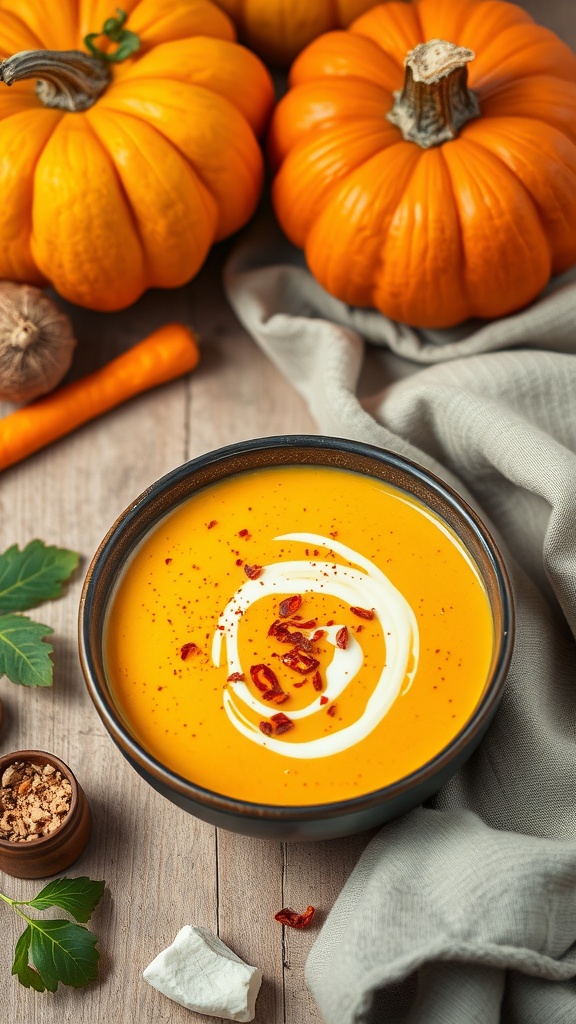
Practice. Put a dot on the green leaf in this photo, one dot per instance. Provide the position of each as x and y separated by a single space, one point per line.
24 656
27 976
33 575
63 951
78 896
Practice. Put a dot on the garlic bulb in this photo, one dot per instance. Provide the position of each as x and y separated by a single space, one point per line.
36 342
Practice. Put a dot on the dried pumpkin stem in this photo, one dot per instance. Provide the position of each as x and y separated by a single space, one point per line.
67 79
435 101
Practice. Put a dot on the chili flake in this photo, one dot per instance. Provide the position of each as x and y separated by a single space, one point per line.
289 917
362 613
323 700
253 571
186 649
317 681
265 727
299 662
331 710
289 605
211 524
342 638
266 681
243 533
235 677
282 723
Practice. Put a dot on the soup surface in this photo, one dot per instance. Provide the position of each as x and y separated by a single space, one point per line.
298 635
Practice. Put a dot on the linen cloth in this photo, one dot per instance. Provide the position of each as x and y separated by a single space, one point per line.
464 910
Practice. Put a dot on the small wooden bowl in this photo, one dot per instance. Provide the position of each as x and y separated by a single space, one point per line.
49 854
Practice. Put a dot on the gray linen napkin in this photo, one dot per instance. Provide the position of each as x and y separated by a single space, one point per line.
465 910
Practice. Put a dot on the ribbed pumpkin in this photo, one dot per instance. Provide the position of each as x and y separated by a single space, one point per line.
117 177
279 29
420 194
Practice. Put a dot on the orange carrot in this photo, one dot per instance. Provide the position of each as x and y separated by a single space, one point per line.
167 353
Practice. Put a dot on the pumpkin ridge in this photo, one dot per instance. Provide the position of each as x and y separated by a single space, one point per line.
126 124
437 153
482 186
306 143
240 151
27 31
153 24
85 269
531 145
533 64
381 258
137 72
25 114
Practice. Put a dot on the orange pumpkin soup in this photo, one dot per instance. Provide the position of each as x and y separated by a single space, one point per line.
298 635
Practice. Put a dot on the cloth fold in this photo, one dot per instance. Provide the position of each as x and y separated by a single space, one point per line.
464 910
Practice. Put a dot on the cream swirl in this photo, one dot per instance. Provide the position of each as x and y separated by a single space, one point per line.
365 586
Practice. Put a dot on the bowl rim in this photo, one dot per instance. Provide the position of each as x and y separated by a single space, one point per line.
43 756
288 813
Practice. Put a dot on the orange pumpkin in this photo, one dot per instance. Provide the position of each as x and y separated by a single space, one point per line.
413 192
279 29
117 177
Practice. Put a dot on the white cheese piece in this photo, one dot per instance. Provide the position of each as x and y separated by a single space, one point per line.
201 973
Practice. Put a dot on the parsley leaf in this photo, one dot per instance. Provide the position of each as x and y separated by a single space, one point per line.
53 951
28 577
24 656
78 896
33 575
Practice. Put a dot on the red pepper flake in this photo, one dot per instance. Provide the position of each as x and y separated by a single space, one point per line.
299 662
265 727
244 533
266 681
342 638
253 571
289 605
282 723
323 700
317 681
167 561
317 635
235 677
290 918
187 649
362 613
239 561
297 621
211 524
331 710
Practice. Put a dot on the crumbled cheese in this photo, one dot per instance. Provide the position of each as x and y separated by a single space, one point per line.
201 973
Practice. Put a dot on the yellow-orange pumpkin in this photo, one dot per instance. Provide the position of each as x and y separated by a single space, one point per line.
132 191
279 29
466 204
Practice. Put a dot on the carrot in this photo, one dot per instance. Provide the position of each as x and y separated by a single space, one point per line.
167 353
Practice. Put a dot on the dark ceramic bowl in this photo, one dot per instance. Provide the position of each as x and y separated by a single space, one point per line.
321 821
52 853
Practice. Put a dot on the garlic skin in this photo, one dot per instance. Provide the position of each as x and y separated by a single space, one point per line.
36 342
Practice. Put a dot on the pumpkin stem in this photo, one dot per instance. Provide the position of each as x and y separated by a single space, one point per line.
435 101
67 79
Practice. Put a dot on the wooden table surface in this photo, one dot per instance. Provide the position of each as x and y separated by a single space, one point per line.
163 868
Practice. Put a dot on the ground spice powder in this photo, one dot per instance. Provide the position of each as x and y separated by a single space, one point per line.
34 800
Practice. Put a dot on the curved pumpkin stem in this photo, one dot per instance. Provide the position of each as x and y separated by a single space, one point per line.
70 79
67 79
435 101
